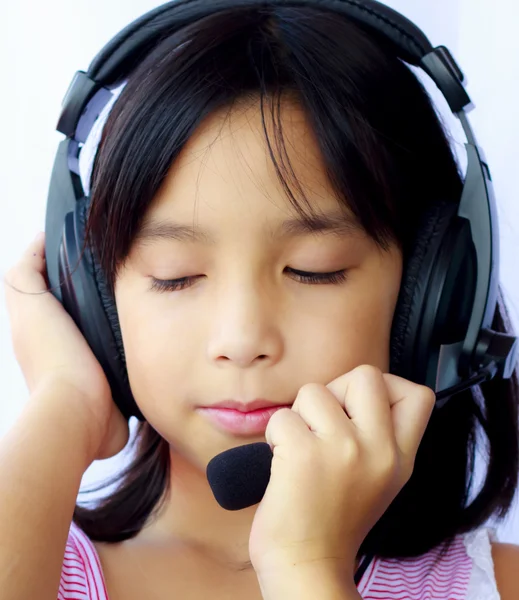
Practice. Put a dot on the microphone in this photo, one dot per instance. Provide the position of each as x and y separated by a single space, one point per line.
239 477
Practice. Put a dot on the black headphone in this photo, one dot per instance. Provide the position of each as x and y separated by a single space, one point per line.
441 332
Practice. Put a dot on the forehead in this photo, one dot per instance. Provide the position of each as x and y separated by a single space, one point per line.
226 169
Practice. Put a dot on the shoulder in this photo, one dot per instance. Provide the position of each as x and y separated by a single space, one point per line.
472 565
81 575
506 567
442 572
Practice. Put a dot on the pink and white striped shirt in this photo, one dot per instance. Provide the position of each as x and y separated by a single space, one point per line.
81 574
465 572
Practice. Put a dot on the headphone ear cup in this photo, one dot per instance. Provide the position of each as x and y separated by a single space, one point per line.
447 309
417 272
87 299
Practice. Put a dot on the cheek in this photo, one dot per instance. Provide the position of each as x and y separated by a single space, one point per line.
157 351
374 314
356 329
356 334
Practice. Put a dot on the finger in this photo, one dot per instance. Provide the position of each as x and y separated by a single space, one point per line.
411 409
26 282
28 274
34 250
286 429
365 397
322 412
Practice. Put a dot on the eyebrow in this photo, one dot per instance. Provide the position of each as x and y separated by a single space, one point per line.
336 223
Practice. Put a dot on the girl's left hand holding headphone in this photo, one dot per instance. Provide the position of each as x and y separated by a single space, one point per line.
341 454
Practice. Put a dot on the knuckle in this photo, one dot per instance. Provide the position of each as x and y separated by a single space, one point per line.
279 421
351 451
407 472
407 468
427 394
310 390
24 280
367 371
280 415
10 276
389 463
16 278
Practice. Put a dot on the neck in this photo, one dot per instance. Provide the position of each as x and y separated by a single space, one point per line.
191 517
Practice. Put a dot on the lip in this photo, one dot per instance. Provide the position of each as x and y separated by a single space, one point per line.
250 423
246 407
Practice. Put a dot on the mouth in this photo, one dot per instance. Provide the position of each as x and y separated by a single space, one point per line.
246 407
238 422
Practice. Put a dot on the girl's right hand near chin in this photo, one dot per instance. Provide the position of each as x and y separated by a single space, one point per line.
54 355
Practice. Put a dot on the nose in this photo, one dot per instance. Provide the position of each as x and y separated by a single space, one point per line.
245 328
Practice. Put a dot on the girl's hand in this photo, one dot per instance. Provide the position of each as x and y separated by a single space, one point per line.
53 354
341 454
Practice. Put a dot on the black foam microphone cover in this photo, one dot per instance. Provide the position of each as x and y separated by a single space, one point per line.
239 477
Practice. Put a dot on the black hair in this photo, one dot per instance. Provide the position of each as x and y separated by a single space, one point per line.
389 159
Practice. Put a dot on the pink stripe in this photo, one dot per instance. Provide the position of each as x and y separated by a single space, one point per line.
66 593
69 576
72 589
72 561
428 585
93 562
368 577
428 581
72 582
87 565
69 573
440 577
433 575
437 584
72 564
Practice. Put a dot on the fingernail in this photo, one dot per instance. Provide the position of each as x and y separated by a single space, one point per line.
39 236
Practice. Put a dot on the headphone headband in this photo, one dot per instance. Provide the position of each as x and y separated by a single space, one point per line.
406 39
119 56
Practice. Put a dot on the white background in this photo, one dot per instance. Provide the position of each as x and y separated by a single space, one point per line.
44 43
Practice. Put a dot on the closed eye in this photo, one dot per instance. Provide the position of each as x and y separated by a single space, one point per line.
307 277
335 277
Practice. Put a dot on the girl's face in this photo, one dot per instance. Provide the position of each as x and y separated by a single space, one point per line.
244 325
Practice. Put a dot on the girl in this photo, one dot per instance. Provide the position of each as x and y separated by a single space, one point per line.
254 197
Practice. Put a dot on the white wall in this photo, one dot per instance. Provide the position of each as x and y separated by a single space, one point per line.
37 63
489 53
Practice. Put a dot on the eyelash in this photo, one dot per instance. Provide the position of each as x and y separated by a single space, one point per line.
335 278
